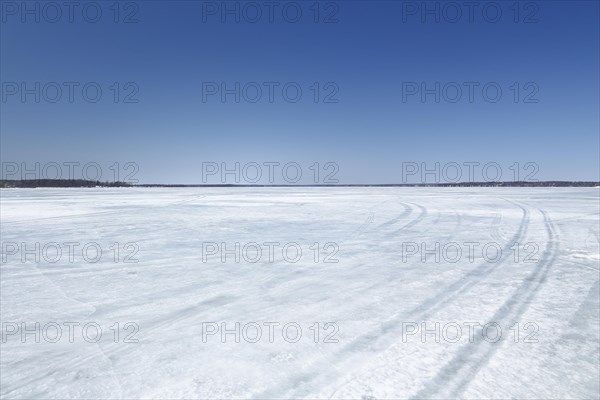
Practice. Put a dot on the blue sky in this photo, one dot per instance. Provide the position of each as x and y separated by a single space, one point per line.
367 58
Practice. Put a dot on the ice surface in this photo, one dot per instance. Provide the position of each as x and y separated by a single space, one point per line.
371 295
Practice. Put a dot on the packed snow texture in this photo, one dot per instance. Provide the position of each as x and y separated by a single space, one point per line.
368 308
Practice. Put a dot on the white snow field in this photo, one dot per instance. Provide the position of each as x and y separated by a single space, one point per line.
522 323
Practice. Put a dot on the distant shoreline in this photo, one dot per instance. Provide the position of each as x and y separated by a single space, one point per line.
78 183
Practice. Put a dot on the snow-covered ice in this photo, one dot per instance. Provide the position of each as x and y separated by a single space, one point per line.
375 311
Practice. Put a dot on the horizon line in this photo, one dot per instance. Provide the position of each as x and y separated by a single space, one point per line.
33 183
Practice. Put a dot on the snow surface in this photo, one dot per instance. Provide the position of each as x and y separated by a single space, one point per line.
371 294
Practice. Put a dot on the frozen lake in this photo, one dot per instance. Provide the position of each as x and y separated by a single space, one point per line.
300 293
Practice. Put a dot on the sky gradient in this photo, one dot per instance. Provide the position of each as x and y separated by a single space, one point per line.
367 114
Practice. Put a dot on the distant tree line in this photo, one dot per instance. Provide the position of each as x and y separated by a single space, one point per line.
57 183
40 183
514 184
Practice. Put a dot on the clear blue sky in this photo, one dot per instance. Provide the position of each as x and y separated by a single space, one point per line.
370 53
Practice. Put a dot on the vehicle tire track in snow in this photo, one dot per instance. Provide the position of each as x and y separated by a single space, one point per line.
364 227
457 225
112 349
454 377
414 222
495 234
368 256
467 281
450 293
389 279
578 264
407 211
388 327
